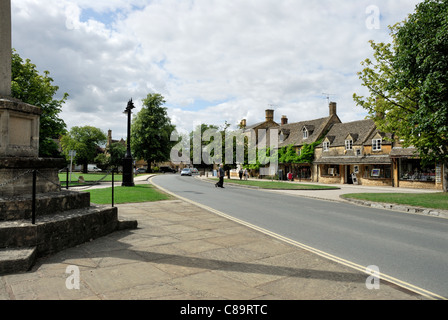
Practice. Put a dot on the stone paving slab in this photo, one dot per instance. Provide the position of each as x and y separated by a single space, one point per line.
182 252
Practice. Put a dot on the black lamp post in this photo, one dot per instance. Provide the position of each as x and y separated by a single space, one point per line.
128 162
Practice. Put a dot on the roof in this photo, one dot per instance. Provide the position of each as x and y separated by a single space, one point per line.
315 128
359 130
398 152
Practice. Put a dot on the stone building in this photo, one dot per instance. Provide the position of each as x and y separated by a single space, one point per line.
354 152
300 133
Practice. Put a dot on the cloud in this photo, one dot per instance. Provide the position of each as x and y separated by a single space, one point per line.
212 60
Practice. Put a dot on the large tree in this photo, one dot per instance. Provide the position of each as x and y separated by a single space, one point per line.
85 141
408 83
151 131
38 90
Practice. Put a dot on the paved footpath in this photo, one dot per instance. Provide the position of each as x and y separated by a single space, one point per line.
182 252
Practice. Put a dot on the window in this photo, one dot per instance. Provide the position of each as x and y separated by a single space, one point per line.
326 146
348 144
377 171
305 133
414 170
376 144
329 170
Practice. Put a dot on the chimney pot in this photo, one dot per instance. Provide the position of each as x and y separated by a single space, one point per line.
284 120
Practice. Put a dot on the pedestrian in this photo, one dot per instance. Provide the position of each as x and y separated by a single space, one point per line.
246 174
240 173
221 174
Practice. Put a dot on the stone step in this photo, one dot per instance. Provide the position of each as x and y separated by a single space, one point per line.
16 260
55 232
20 208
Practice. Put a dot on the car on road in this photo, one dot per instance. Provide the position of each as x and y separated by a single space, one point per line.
194 171
141 170
165 169
186 172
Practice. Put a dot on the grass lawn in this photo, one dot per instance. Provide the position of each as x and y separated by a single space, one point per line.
437 200
89 177
277 184
138 193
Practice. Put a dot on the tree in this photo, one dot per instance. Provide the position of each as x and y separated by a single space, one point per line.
31 87
117 152
408 83
85 141
151 131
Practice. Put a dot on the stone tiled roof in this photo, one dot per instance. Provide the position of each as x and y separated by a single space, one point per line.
295 136
359 131
397 152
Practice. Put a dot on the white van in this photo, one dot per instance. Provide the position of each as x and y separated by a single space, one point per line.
92 167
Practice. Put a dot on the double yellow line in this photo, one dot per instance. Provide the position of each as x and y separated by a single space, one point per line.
425 293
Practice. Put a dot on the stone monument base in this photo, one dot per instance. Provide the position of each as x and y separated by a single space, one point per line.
16 175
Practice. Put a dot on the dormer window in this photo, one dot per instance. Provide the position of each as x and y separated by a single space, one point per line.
326 145
348 144
305 133
376 144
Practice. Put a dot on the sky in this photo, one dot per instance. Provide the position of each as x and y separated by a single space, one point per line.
214 61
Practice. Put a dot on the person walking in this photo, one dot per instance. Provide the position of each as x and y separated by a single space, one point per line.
221 173
241 173
246 174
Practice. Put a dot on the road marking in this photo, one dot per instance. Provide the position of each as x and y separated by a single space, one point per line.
403 284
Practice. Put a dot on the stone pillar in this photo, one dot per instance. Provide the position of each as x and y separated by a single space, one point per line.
5 47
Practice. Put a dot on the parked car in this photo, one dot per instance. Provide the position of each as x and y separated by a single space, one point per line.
186 172
167 169
141 170
194 171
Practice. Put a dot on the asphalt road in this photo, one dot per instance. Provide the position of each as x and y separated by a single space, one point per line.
407 248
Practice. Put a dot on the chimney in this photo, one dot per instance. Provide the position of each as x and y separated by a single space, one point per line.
332 107
243 124
269 115
109 138
284 120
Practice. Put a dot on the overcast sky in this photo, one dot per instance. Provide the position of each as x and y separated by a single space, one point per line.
212 60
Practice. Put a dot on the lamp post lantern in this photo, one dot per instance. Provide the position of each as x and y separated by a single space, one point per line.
128 162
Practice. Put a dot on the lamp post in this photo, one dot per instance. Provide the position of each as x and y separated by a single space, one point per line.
128 162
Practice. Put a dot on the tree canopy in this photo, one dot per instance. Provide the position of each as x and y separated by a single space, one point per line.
408 82
151 131
31 87
85 141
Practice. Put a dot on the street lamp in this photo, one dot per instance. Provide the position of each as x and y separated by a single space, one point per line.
128 172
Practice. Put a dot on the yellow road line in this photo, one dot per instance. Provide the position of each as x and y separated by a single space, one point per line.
405 285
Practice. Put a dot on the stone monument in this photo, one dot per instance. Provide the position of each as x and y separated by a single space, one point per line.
30 187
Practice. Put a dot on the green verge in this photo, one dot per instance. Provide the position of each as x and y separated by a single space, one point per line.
137 193
89 178
438 200
277 185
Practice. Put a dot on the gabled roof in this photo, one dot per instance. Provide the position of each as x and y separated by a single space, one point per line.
361 129
295 137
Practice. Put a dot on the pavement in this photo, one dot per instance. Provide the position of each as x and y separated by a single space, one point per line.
181 251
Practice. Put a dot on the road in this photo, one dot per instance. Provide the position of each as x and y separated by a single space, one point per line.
410 249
